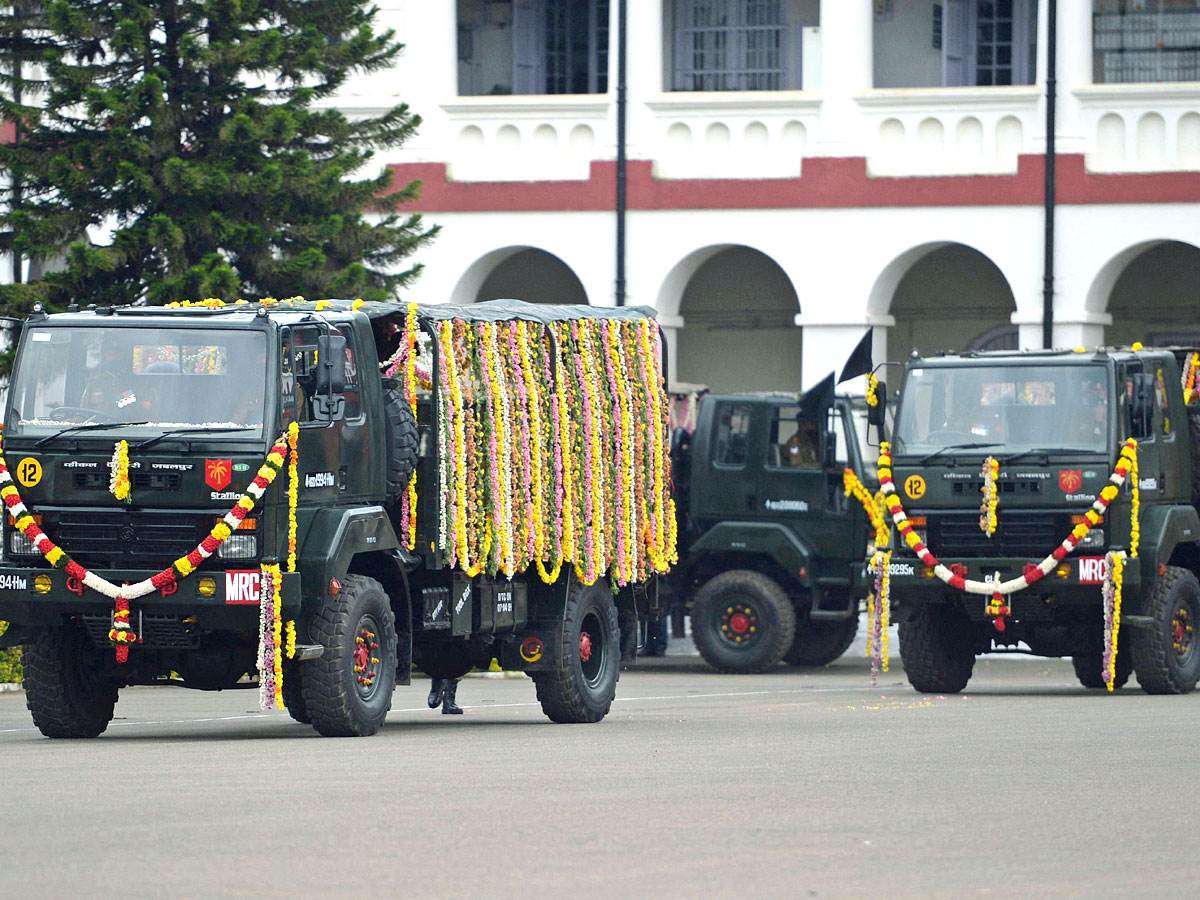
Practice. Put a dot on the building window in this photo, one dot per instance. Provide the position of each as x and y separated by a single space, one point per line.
533 46
957 43
736 45
1145 41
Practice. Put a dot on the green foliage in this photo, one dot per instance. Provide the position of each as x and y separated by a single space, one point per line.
193 131
10 661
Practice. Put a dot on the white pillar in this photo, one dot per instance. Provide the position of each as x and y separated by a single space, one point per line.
846 72
1073 69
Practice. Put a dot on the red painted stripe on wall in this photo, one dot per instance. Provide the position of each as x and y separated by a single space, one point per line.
826 183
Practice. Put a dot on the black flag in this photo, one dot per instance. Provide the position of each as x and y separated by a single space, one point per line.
817 399
859 362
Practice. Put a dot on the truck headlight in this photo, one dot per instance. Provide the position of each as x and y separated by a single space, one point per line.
238 546
1093 540
20 545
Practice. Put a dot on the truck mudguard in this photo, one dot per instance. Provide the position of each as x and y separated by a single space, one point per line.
335 536
768 539
1164 528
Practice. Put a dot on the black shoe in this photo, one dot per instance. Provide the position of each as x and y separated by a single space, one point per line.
449 707
436 691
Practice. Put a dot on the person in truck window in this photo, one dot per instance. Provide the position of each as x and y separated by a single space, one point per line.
801 449
112 390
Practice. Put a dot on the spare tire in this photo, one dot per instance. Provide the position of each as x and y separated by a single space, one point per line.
401 441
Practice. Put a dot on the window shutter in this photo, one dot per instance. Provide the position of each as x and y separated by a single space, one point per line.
528 73
954 44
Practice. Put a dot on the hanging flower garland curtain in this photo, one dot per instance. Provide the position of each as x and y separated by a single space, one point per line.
550 448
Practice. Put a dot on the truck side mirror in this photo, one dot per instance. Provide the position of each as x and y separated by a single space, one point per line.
875 413
829 450
1141 409
331 364
329 379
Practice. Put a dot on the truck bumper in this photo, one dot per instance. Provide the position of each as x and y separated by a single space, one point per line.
1076 582
35 597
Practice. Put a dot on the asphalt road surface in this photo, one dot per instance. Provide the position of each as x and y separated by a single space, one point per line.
793 784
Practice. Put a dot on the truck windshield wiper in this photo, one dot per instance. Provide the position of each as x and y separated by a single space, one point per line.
1033 452
974 445
150 442
90 426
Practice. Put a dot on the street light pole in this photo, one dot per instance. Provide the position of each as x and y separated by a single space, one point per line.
621 31
1051 90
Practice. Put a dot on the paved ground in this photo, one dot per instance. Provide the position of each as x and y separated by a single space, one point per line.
790 784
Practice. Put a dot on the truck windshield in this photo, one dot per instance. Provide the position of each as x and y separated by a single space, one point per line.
139 380
1010 408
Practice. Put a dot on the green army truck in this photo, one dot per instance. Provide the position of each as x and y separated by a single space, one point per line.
770 547
1078 559
323 496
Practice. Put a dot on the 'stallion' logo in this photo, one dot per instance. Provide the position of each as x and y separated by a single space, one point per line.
218 473
1070 480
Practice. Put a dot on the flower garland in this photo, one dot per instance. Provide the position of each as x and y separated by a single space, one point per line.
872 388
270 631
118 482
293 491
854 487
182 567
122 634
1114 579
990 491
1189 377
1135 504
408 501
551 449
1032 573
879 613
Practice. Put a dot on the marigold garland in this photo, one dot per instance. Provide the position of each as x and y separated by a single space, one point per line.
118 482
1189 377
991 495
872 388
182 567
293 491
550 448
1033 573
879 613
1114 579
854 487
270 626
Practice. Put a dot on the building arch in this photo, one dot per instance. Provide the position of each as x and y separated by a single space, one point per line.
520 273
732 310
1149 290
943 296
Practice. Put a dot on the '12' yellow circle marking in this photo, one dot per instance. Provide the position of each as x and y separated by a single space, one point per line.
29 471
914 486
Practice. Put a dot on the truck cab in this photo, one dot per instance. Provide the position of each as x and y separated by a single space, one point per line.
771 548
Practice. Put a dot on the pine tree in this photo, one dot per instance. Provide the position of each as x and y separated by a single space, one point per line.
201 136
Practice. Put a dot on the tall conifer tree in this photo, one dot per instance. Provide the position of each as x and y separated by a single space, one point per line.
182 149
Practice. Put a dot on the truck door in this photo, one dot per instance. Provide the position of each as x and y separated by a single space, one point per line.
334 463
723 486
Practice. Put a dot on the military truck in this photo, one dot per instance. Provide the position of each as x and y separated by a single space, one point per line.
770 548
323 495
1091 545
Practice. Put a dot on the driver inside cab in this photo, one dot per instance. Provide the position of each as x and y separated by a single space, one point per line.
113 389
802 448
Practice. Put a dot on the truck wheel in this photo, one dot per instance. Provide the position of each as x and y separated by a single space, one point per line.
742 621
1088 669
937 650
62 689
293 693
1166 656
582 687
345 692
401 443
820 643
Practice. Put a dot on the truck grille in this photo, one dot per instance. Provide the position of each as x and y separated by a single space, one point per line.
1018 533
122 539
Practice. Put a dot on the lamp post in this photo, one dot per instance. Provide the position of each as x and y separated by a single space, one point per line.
1051 89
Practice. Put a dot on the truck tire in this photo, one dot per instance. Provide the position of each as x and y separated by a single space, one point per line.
293 693
742 621
937 649
582 687
820 643
1088 668
62 691
340 696
1166 656
402 441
